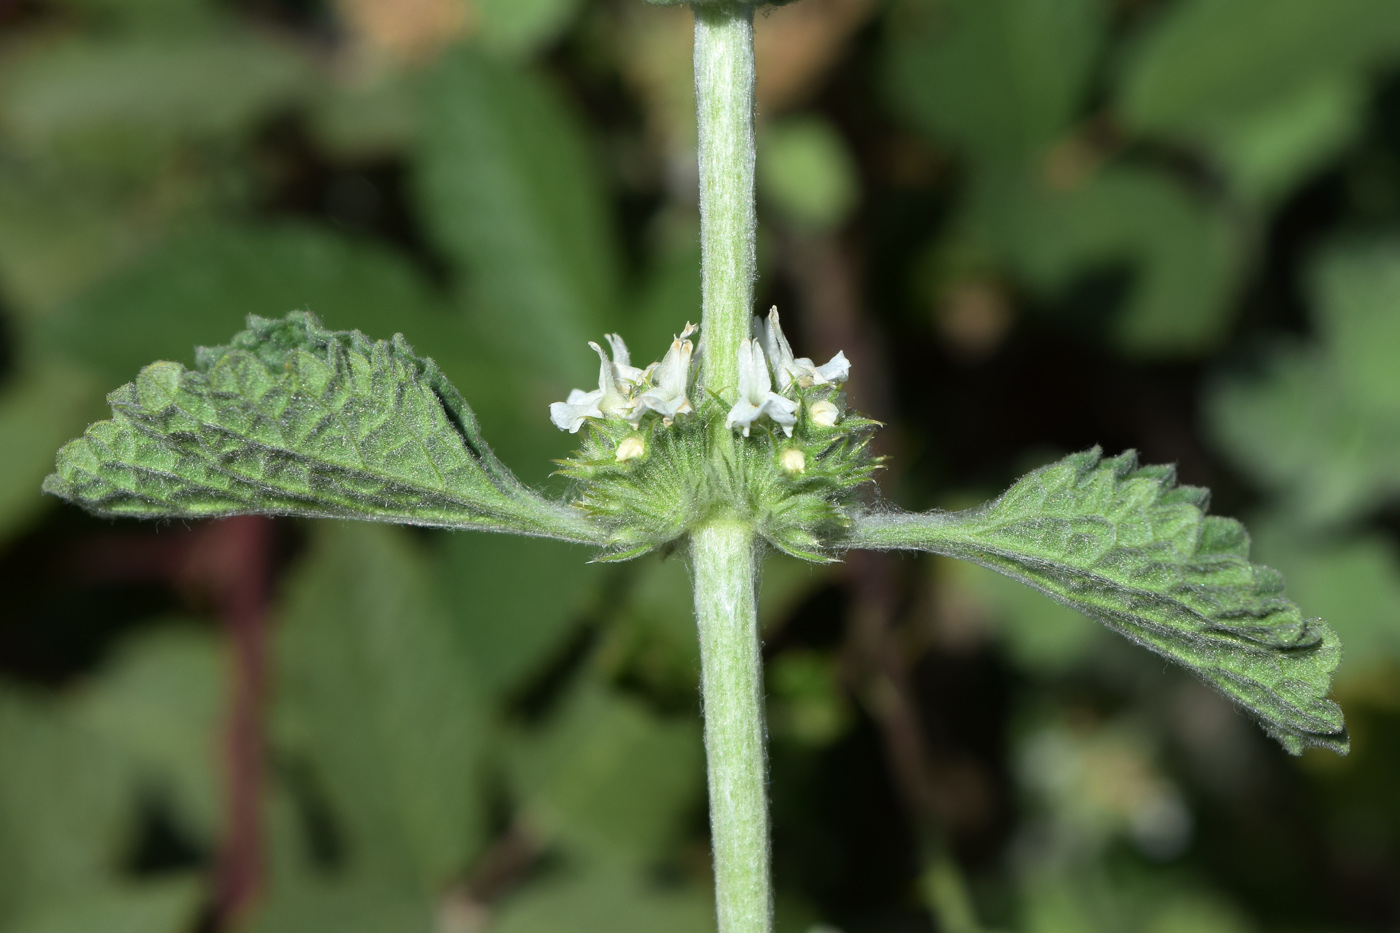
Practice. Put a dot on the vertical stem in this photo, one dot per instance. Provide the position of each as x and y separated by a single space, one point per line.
724 556
723 551
724 97
240 568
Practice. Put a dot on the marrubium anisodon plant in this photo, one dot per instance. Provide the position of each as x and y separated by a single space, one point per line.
729 445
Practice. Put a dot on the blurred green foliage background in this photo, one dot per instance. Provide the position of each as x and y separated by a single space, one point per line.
1033 225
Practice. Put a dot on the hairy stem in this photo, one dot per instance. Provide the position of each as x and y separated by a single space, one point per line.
724 564
724 97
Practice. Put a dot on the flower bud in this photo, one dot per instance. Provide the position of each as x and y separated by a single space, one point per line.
793 460
633 447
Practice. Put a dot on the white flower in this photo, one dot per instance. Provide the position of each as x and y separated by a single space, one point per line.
670 382
570 414
800 370
612 397
756 395
622 361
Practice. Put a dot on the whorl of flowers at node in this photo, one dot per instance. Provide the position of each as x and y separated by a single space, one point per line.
627 393
659 455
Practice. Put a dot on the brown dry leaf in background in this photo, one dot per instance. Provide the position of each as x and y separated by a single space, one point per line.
654 48
796 45
407 30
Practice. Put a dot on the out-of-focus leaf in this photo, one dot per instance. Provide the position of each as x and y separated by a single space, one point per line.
1268 151
160 703
1083 899
344 908
1096 783
57 237
1129 547
1182 255
806 703
510 624
1196 913
523 27
607 778
1299 433
148 16
670 291
806 171
651 635
506 186
1321 425
1001 78
39 410
1354 582
377 697
64 807
1205 63
200 288
605 901
293 419
167 905
1038 634
371 118
88 95
786 582
1356 296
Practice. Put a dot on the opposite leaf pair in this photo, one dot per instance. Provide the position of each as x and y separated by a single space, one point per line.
294 419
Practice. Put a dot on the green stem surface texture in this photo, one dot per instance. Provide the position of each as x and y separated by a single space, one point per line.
724 97
724 559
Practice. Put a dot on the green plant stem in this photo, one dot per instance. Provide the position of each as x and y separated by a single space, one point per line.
724 551
724 97
724 559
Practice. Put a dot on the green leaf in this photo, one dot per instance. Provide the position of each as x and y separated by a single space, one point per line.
517 624
1269 150
148 92
520 28
605 901
147 16
608 779
294 419
1126 545
1183 255
160 705
1320 425
806 170
230 271
38 411
344 908
506 187
65 818
168 905
1354 581
58 235
719 2
1355 289
999 77
376 697
1037 635
366 117
1192 72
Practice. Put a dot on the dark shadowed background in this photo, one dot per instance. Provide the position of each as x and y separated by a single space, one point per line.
1033 226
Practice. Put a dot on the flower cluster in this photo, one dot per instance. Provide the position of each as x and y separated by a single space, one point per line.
627 393
756 395
657 453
